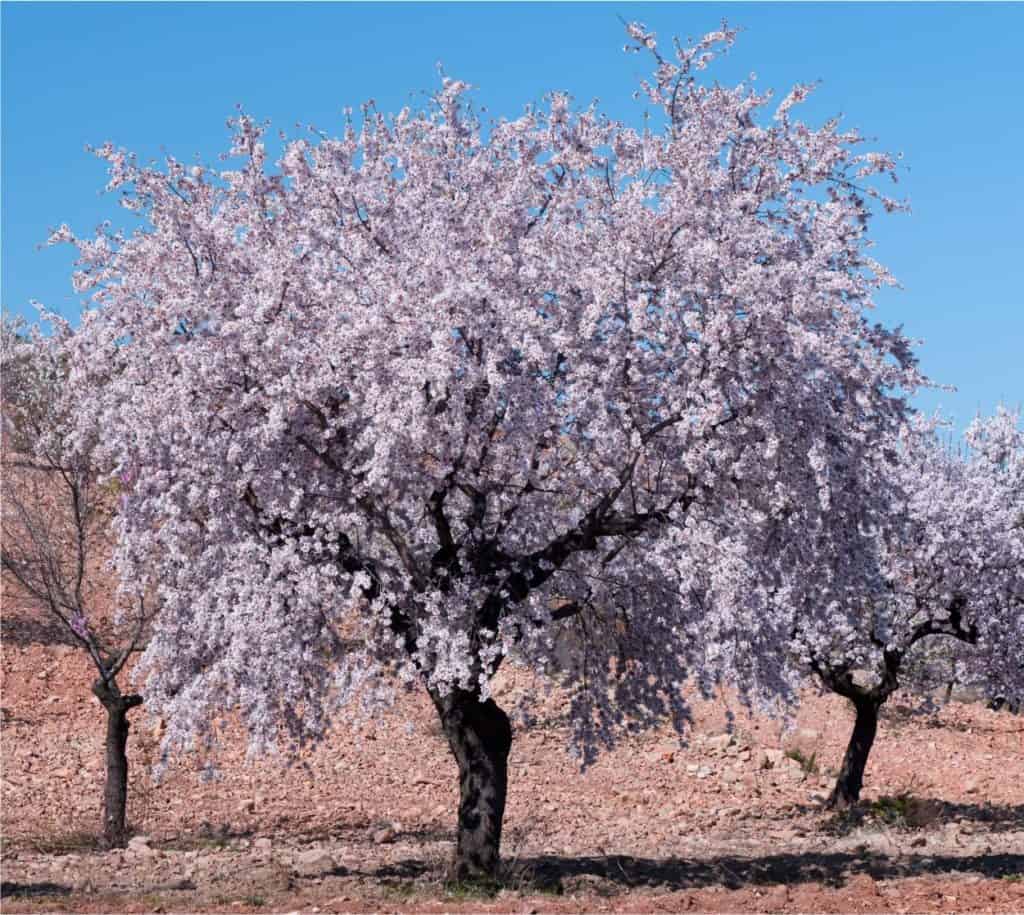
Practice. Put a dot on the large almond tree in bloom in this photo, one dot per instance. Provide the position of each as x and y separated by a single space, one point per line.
426 398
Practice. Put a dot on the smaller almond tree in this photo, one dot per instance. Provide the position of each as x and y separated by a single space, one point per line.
56 525
948 564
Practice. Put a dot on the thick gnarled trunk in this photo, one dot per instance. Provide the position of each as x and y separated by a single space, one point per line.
480 737
115 792
851 776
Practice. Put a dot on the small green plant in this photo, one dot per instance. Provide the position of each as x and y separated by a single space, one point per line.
198 843
402 891
482 888
257 902
1014 878
892 810
808 763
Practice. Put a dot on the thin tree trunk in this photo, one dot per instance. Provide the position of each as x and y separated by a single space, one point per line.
480 737
115 792
851 776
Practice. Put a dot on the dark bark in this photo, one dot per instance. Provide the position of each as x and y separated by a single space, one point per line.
115 792
851 776
480 737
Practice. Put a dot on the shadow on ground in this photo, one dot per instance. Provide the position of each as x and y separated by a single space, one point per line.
11 890
995 817
613 874
21 629
623 872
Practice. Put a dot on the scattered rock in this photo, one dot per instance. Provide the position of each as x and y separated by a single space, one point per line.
719 743
704 772
272 877
140 852
312 863
263 844
731 776
862 884
775 898
384 836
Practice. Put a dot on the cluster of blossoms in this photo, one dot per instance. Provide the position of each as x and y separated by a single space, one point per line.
420 400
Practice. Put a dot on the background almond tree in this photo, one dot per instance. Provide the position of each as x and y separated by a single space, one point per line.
943 564
57 516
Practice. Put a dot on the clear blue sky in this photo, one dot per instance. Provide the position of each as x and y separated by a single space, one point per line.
941 83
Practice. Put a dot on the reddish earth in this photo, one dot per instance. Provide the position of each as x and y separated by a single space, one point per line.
364 821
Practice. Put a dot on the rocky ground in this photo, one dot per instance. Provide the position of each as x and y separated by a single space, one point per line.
729 823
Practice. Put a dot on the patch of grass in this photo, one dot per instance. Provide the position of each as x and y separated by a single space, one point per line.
891 810
401 892
808 763
906 811
465 890
257 902
1014 878
197 843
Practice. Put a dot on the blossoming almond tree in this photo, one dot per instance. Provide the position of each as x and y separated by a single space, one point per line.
56 525
421 400
949 562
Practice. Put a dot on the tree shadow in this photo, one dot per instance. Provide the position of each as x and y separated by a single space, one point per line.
21 630
996 817
619 873
1000 817
829 869
12 890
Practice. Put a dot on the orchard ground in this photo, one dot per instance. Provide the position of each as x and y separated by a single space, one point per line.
365 821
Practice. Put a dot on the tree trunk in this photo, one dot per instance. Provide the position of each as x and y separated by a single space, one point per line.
480 737
851 776
115 792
